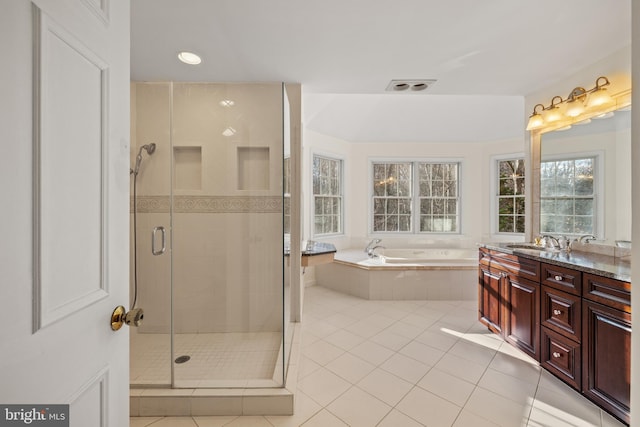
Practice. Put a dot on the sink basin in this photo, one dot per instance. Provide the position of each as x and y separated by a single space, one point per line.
531 246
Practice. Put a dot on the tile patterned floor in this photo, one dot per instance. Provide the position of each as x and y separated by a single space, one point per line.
215 358
411 363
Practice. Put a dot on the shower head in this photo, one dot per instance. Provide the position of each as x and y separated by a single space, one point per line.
150 149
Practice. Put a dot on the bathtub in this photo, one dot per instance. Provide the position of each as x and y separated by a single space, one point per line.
427 257
403 274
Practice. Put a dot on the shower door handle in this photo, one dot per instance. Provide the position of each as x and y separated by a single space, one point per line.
163 234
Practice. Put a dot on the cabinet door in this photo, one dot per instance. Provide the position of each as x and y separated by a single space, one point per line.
607 357
522 315
490 300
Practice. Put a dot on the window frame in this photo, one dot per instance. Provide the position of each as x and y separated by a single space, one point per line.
598 187
495 192
341 175
415 195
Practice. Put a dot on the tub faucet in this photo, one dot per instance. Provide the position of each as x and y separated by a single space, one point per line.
370 247
372 252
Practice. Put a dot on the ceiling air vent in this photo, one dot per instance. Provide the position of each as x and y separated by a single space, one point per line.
413 86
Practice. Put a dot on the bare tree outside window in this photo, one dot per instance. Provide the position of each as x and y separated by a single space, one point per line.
511 207
327 195
567 196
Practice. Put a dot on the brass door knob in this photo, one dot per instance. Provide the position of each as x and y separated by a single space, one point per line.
117 317
121 316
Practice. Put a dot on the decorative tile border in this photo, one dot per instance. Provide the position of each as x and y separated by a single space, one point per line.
209 204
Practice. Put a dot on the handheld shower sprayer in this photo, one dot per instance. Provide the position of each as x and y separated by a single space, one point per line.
150 149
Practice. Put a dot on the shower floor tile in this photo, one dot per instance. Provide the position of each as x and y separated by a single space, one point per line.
233 358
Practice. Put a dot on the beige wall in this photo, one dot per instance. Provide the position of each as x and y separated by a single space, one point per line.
476 158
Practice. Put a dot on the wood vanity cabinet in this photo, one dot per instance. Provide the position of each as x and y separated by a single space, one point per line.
561 351
576 324
509 299
606 329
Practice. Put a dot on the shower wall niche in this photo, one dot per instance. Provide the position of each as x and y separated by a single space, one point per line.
216 183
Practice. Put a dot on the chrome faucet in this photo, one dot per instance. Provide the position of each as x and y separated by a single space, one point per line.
371 247
372 252
587 238
555 243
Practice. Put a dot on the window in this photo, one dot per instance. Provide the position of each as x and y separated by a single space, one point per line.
395 199
438 197
327 195
511 208
391 197
567 196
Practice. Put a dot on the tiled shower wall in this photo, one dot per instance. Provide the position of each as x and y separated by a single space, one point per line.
227 206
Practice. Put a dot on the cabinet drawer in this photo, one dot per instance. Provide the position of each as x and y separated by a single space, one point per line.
561 312
610 292
562 357
511 264
561 278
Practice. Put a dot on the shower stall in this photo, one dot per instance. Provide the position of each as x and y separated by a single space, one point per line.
208 234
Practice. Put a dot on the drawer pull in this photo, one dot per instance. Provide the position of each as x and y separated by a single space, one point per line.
557 312
556 354
558 278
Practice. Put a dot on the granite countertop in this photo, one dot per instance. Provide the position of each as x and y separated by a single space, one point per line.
318 248
314 248
602 265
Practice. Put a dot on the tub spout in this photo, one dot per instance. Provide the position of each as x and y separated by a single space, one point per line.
371 245
372 252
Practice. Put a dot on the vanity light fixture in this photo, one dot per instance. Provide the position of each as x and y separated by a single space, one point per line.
575 102
189 58
552 113
578 101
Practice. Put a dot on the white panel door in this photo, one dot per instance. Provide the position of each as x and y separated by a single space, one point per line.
64 186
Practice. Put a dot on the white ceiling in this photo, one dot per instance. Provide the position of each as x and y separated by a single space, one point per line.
485 54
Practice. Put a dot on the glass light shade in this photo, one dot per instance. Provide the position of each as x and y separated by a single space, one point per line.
535 121
600 97
574 108
553 114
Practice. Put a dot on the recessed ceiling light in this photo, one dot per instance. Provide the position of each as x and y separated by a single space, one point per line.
227 103
189 58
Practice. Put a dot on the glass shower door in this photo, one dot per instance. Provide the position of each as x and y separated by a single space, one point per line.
150 280
227 231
